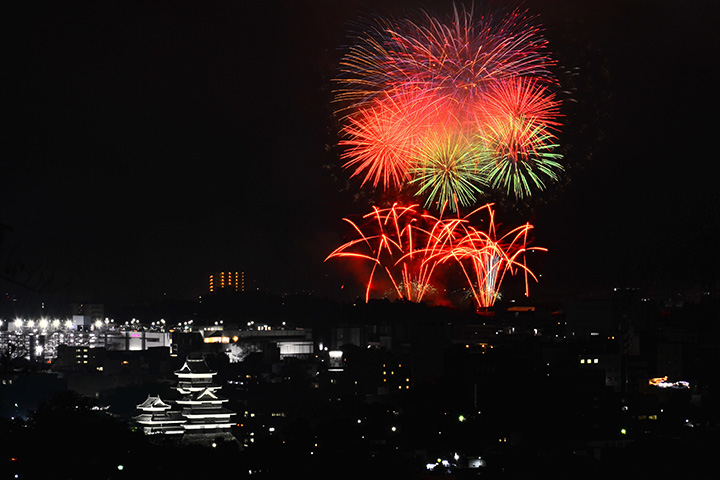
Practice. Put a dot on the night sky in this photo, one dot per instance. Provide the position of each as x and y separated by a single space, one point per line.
155 142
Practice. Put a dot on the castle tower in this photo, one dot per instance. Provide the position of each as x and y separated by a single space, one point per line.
199 416
201 405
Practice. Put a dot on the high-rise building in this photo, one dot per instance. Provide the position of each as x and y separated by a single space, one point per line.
233 281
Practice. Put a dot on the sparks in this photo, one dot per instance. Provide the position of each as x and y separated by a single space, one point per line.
408 246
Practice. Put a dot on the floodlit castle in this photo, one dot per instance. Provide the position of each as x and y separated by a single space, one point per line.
201 415
157 418
201 405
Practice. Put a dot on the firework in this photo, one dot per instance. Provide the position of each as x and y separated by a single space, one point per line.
485 259
516 143
381 139
446 171
459 56
450 106
391 236
408 246
399 242
520 97
365 69
456 56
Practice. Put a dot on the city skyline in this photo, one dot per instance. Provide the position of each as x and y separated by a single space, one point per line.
158 144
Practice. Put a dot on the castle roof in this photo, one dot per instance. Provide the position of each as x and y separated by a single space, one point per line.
160 419
195 366
206 396
153 403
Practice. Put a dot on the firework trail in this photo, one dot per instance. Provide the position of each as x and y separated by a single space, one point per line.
393 242
485 258
409 245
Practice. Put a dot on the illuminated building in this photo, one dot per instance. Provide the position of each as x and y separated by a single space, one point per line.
199 415
134 340
297 342
42 340
202 407
158 418
228 281
335 361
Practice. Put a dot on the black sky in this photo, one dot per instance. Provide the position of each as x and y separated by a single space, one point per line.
155 142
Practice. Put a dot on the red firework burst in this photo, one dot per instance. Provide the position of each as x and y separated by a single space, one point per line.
470 76
459 56
408 246
382 138
515 136
485 258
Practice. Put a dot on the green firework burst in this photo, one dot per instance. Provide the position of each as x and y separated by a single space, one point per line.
517 155
445 170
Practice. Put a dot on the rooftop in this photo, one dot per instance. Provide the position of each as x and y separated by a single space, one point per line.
153 403
195 366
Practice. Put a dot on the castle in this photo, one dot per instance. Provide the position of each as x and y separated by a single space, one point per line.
200 415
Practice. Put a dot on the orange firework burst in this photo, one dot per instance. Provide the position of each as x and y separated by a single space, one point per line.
485 259
381 139
409 245
398 237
